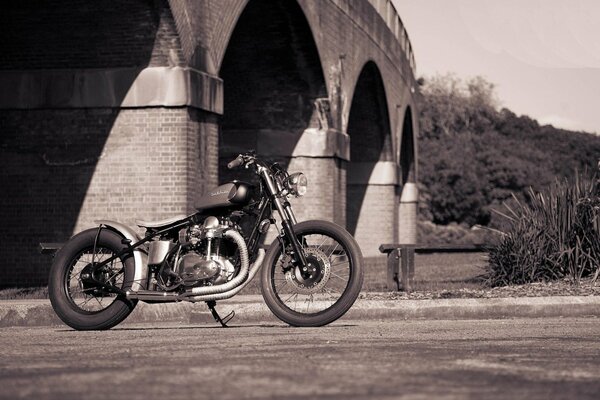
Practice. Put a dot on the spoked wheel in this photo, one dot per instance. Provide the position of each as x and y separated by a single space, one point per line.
323 290
81 291
75 297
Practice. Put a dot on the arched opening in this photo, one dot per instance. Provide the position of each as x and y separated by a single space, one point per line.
408 191
272 77
407 149
371 171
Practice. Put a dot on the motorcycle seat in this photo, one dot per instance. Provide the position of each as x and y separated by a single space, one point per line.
161 223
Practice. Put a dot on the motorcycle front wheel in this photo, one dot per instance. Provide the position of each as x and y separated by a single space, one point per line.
321 291
79 304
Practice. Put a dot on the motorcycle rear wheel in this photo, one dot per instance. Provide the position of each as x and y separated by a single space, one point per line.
76 303
328 287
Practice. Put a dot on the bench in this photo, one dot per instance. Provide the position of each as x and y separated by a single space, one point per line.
401 260
50 248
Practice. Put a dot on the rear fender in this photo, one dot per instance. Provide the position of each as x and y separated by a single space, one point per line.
140 278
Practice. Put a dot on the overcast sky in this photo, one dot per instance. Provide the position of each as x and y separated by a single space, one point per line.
543 55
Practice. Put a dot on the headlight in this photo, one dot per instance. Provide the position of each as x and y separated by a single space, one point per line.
297 184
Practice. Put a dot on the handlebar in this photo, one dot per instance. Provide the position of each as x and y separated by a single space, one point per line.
236 163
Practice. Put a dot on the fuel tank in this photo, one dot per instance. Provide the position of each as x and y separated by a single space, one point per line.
234 193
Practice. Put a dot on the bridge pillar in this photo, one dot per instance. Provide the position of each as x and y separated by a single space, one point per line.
318 153
407 214
372 188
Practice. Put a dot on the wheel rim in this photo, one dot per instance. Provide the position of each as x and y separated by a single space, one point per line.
90 299
325 281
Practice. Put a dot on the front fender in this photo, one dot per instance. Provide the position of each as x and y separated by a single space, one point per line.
140 278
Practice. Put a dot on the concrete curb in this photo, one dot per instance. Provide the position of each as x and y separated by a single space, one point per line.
252 309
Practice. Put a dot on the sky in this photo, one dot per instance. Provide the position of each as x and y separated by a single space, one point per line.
542 55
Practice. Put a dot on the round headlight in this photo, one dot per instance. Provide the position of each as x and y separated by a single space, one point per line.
297 184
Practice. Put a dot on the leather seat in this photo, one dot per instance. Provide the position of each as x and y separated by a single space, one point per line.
162 223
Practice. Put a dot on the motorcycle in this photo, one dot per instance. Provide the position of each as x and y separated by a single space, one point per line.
311 274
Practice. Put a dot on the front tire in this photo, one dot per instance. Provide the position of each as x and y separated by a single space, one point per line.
78 304
330 284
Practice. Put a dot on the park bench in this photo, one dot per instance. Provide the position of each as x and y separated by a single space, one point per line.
50 248
401 260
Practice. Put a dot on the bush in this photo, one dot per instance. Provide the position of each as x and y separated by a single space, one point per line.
555 235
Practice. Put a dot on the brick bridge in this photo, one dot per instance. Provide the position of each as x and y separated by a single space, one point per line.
125 109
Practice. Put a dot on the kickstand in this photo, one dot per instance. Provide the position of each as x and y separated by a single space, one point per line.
223 321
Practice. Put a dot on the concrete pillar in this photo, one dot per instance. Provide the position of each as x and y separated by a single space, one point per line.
407 214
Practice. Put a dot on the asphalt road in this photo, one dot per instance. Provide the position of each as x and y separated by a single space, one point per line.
491 359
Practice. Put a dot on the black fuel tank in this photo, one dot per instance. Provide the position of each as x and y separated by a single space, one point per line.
235 193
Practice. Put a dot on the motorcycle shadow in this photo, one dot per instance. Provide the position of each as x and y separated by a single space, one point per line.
210 327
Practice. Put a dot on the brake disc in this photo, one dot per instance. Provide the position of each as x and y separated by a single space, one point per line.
314 276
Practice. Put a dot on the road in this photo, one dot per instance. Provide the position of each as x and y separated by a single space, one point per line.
491 359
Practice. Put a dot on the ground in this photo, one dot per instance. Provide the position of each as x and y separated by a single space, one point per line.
419 359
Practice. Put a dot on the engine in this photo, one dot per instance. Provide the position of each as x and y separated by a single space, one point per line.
198 269
206 257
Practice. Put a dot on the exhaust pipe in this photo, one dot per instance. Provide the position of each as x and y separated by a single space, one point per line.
225 295
235 282
151 295
165 297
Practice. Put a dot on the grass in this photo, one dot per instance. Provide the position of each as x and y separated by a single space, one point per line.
433 272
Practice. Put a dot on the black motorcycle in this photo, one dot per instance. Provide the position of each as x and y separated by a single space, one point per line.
312 274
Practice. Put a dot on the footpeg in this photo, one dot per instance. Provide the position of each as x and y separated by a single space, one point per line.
223 321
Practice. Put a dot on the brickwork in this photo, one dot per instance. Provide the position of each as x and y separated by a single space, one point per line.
375 223
47 158
154 164
62 168
88 34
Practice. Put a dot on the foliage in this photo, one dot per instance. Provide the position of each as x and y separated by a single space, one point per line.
430 233
474 157
555 235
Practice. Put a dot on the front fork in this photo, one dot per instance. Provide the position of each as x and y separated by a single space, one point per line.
288 219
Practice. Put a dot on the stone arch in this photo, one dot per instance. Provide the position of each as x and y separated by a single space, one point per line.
372 173
273 80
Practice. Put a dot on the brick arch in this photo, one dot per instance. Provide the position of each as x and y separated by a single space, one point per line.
223 31
273 78
408 156
371 173
369 124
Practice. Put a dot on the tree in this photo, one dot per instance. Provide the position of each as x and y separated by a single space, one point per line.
473 157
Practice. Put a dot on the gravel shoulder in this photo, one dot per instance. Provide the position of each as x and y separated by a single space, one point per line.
539 289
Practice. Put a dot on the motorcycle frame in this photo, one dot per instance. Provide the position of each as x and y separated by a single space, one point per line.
268 203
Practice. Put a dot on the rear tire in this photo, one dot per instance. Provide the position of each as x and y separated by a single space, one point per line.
342 293
72 301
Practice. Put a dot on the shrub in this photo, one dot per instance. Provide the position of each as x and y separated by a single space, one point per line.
554 235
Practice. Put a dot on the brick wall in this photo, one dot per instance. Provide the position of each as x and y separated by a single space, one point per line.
154 165
47 158
375 222
61 169
87 34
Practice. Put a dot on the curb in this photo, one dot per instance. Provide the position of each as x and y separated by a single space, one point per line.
252 309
